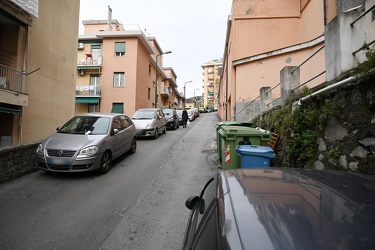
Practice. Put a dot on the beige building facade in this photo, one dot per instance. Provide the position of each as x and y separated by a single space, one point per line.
211 81
37 67
262 38
117 70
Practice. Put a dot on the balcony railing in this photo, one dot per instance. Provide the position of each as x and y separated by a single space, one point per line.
89 60
11 79
165 91
92 90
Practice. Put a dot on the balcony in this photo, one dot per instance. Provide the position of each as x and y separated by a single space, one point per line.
88 62
12 90
88 94
165 91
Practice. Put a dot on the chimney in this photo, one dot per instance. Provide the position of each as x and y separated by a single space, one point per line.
109 17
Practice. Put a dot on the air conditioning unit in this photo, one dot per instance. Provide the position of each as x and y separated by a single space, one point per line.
81 72
81 46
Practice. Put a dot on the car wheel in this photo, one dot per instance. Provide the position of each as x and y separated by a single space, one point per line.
133 147
105 163
156 133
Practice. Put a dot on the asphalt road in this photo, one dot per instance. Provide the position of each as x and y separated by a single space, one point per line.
139 204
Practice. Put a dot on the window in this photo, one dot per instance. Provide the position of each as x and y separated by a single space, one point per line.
93 108
94 85
119 79
96 52
149 93
117 108
149 70
120 49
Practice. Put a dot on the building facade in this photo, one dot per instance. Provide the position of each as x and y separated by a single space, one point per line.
37 67
262 38
211 81
117 70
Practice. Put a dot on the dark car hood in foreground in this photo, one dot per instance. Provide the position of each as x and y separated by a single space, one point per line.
300 209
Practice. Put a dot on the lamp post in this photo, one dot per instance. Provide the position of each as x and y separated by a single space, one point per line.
156 77
195 101
185 92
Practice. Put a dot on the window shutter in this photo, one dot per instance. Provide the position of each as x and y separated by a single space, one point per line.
120 47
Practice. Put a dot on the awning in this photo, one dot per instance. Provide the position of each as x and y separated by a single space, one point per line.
88 67
87 100
10 110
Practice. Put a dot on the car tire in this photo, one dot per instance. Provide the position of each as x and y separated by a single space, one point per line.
133 147
156 134
105 163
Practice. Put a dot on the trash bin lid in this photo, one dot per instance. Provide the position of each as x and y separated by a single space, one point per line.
255 150
234 131
234 123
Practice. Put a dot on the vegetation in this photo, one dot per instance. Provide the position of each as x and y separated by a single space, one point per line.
299 129
368 65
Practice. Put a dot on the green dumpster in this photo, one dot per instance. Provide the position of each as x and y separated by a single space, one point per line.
227 123
231 136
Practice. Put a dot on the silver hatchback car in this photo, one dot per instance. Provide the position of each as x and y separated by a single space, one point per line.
149 122
87 142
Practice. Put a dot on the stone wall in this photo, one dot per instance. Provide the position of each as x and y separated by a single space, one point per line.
17 160
346 141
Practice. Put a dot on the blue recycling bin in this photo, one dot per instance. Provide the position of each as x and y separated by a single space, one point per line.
253 156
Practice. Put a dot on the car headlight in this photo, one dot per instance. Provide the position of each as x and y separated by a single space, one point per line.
170 119
89 151
148 126
40 149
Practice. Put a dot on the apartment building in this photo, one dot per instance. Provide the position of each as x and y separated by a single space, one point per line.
211 81
262 38
37 67
269 42
117 70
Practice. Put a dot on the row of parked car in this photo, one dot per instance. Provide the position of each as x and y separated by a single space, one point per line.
91 141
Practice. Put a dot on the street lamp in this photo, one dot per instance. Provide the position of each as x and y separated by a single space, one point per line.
185 92
156 77
195 101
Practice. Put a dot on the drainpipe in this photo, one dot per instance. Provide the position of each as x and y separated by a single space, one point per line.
331 87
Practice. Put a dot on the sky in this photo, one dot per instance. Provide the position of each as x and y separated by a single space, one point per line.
193 30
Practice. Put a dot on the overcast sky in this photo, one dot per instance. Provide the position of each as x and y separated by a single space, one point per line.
193 30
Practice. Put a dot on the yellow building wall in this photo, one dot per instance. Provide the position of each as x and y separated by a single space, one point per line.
52 47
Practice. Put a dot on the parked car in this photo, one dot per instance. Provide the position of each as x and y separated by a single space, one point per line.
196 112
191 114
179 114
172 118
87 142
283 209
149 122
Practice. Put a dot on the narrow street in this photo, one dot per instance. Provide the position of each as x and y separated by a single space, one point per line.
139 204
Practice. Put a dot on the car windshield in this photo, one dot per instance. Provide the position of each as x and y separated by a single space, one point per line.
179 112
86 125
144 114
168 112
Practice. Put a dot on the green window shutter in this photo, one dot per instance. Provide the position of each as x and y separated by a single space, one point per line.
120 47
96 47
117 108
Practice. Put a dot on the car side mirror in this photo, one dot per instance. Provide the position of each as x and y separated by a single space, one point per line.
58 128
192 202
115 131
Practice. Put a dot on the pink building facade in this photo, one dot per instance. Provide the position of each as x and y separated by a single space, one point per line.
262 38
117 71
